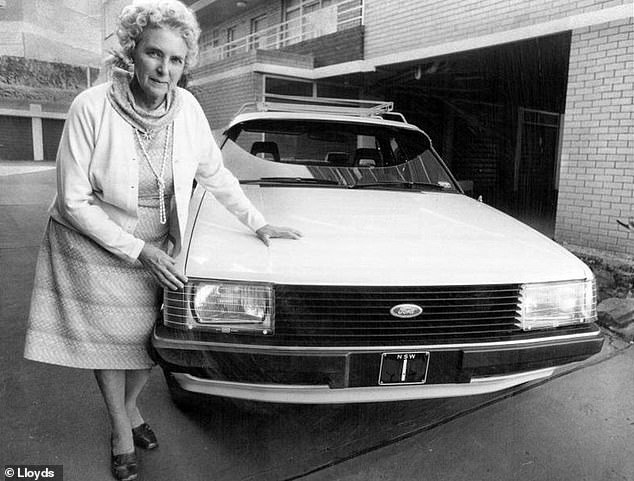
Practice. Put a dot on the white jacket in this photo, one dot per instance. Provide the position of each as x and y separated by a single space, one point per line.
98 178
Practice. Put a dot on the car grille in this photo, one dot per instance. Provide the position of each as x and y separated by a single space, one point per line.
347 315
332 316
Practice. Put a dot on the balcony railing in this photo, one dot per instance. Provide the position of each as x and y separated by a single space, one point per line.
334 18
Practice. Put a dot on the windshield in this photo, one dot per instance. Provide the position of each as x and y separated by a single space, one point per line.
337 154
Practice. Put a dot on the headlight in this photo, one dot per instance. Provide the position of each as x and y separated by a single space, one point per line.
555 304
232 307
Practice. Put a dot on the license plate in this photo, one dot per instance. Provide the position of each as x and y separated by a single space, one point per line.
404 368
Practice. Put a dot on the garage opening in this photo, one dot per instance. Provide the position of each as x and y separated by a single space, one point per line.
16 138
495 115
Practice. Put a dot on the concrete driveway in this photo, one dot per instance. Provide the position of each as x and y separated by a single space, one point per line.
576 426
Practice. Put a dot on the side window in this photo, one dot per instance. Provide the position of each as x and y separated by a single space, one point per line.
399 155
436 174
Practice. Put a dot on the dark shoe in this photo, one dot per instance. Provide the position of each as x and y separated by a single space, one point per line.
144 437
124 466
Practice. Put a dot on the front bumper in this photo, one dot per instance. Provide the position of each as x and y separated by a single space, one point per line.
295 374
323 394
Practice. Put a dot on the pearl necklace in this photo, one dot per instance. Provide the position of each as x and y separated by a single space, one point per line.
160 176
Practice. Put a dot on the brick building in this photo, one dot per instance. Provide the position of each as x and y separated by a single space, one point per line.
50 50
530 100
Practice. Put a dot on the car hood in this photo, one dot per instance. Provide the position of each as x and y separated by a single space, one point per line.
374 237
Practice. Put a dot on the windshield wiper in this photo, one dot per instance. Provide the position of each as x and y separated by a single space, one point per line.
290 180
400 183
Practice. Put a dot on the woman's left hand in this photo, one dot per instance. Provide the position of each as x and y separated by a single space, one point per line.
270 232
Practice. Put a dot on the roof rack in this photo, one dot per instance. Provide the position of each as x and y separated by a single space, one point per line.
293 103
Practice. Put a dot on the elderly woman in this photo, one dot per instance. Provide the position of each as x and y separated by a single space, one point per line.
129 153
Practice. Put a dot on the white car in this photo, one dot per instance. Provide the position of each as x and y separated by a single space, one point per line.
402 287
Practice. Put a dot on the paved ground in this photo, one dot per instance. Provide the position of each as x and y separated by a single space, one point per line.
576 427
24 167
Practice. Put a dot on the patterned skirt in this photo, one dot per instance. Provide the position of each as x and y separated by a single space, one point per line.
89 308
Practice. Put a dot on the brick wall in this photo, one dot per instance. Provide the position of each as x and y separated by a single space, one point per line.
280 57
597 160
396 25
276 57
343 46
236 83
221 99
224 65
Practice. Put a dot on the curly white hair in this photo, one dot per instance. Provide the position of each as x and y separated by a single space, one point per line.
142 14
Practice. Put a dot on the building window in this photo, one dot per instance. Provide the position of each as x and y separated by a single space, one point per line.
285 86
231 34
230 47
256 39
335 90
298 8
297 15
210 39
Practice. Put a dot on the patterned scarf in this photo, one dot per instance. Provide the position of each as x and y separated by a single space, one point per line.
122 100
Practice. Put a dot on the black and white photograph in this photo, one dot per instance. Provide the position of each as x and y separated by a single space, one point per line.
317 240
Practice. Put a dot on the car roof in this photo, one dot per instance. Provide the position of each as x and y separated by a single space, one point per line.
372 120
360 111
